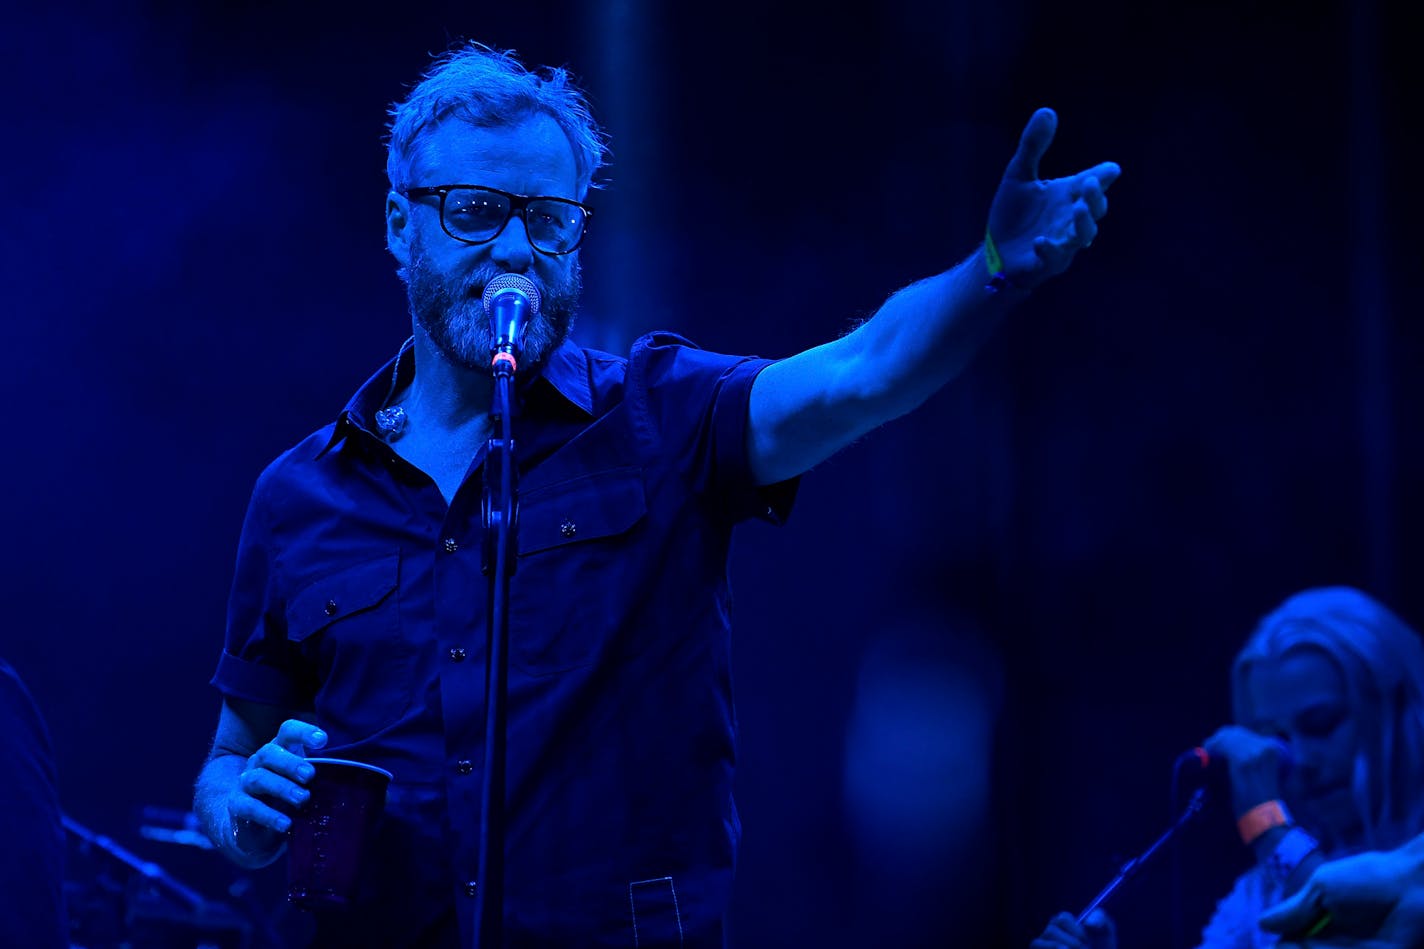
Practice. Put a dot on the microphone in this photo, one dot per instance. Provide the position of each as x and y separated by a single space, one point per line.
511 303
1198 761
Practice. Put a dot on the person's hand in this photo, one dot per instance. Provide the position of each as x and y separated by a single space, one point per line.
1065 932
1037 226
1368 901
1254 762
271 786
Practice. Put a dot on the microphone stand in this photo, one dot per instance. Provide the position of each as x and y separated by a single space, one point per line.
219 917
191 899
500 524
1132 866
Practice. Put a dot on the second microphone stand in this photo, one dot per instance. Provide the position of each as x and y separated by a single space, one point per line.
1132 866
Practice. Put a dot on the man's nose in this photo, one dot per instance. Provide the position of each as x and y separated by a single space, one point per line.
511 250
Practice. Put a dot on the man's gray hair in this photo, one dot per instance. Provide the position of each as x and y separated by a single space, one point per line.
490 88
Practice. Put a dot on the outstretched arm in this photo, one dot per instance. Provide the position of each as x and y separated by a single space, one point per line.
807 407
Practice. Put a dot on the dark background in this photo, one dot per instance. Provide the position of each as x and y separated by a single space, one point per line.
965 667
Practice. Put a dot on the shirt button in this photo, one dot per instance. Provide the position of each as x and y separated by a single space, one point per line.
330 607
450 545
464 767
457 654
568 528
471 888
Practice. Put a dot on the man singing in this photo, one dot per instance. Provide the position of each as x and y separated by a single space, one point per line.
358 617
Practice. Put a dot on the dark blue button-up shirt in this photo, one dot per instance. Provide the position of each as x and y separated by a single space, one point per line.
359 603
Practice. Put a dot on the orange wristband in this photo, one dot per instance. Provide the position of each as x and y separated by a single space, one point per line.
1262 818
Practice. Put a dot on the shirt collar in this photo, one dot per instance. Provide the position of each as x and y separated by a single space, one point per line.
565 371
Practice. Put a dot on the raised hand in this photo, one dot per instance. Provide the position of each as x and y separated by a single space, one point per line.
1037 225
1254 762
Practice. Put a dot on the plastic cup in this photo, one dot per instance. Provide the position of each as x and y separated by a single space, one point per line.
331 831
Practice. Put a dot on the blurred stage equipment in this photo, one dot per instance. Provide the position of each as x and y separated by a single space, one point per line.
118 900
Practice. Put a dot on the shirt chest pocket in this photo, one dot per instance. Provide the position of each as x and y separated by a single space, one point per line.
571 592
347 626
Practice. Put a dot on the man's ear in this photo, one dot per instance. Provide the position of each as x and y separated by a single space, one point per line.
398 228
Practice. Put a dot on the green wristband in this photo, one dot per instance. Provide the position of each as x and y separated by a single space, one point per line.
992 259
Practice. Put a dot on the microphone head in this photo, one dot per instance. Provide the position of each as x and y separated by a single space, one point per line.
506 282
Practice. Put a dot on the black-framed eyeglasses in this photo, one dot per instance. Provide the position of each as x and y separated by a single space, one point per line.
475 214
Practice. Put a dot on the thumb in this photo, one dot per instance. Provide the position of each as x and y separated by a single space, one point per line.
295 736
1036 137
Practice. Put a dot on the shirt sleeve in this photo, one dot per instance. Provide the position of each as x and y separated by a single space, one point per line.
257 663
693 406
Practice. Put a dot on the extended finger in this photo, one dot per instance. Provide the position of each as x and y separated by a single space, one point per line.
1034 141
1106 173
248 808
295 735
1092 195
1084 227
274 758
266 784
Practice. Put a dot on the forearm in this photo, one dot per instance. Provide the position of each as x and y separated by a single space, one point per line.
806 408
924 336
242 842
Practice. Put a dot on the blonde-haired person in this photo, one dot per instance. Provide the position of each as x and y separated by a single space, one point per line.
1338 679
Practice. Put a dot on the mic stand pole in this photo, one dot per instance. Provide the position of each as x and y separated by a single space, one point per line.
500 547
150 871
1135 864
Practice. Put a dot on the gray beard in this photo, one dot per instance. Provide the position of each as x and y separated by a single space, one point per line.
456 323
